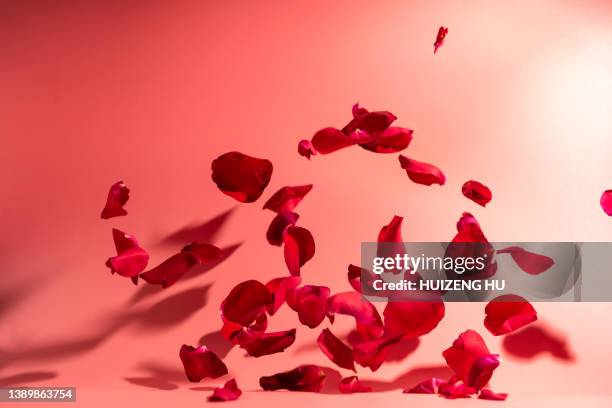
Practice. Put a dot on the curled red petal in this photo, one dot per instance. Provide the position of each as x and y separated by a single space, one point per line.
442 31
412 319
421 172
279 287
370 122
241 177
243 335
299 248
270 343
172 269
118 196
338 352
391 234
471 360
391 140
357 110
229 392
456 388
606 202
329 140
287 198
310 302
131 259
530 262
429 386
477 192
353 304
372 353
200 363
508 313
488 394
355 275
279 224
245 302
306 149
351 385
303 378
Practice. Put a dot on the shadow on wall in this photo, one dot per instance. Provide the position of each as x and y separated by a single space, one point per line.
536 340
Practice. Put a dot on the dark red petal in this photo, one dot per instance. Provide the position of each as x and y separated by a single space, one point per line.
200 363
118 195
353 304
306 149
329 140
442 31
131 259
606 202
229 392
279 287
338 352
204 252
422 173
357 110
310 302
303 378
287 198
370 122
487 394
429 386
455 388
270 343
372 353
277 227
238 334
390 140
245 302
530 262
477 192
470 358
241 177
356 274
351 385
412 319
299 248
391 233
508 313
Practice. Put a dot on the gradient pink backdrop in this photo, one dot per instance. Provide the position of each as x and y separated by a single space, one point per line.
149 92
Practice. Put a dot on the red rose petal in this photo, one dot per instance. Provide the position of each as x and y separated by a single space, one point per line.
306 149
391 234
241 177
477 192
118 195
243 335
487 394
429 386
372 353
131 259
279 224
391 140
351 385
412 319
370 122
530 262
303 378
357 110
310 302
279 287
329 140
245 302
229 392
270 343
287 198
442 31
173 268
508 313
200 363
606 202
353 304
470 358
338 352
356 274
422 173
299 248
455 388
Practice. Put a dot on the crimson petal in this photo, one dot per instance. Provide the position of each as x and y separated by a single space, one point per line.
329 140
338 352
306 149
200 363
229 392
530 262
270 343
303 378
477 192
429 386
353 304
350 385
118 196
455 388
243 335
245 302
412 319
279 287
487 394
391 140
370 122
372 353
287 198
279 224
508 313
299 248
310 302
606 202
442 31
422 173
131 259
241 177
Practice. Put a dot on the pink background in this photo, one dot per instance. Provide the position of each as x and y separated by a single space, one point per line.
149 92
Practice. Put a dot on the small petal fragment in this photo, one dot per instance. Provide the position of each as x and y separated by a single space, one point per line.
508 313
303 378
270 343
351 385
606 202
229 392
245 302
306 149
131 259
200 363
118 196
338 352
477 192
429 386
299 248
442 31
487 394
310 302
422 173
241 177
530 262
